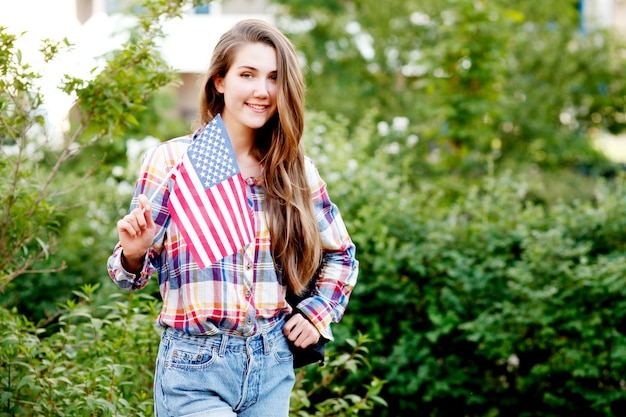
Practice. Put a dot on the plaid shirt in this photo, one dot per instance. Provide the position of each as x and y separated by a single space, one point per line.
241 294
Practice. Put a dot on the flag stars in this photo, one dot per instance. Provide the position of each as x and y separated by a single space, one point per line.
212 156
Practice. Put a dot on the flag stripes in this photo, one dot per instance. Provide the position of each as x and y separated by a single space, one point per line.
208 200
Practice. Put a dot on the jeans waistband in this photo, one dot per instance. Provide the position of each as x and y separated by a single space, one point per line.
228 342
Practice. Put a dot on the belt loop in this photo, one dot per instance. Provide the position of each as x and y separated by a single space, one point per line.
266 343
165 336
223 345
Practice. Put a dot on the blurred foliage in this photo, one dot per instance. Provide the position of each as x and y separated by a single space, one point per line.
474 80
99 362
87 223
481 299
322 391
28 225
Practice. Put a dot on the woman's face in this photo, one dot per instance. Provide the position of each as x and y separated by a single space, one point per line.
249 88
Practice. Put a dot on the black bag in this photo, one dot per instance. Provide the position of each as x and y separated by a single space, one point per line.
312 353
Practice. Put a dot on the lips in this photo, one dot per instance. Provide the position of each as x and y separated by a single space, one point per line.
257 106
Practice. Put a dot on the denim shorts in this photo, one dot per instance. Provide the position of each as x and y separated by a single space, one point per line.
223 375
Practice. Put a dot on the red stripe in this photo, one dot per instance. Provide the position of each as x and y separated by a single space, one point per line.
195 251
190 245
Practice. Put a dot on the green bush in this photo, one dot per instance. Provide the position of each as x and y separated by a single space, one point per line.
323 391
483 296
99 361
484 304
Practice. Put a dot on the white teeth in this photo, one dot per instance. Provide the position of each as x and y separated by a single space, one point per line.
256 106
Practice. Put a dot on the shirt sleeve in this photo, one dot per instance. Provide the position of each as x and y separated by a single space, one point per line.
154 171
339 269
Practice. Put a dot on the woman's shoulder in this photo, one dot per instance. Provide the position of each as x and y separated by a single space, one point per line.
312 174
309 167
179 143
170 151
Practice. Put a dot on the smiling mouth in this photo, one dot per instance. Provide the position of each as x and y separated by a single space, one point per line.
257 106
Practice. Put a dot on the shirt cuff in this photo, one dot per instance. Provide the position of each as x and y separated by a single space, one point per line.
136 273
128 279
318 313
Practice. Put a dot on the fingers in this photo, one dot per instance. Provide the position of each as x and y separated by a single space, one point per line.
137 230
138 220
300 331
146 209
130 224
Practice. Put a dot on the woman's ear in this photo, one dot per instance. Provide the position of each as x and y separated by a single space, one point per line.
218 82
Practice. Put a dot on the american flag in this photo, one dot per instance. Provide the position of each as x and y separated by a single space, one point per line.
208 200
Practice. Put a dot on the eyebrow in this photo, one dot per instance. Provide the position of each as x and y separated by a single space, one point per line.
252 68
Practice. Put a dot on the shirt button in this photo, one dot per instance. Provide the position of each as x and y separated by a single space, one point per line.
248 294
248 266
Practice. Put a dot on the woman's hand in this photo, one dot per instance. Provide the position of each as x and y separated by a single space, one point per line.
300 331
136 233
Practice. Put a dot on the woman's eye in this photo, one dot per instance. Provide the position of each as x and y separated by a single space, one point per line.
246 75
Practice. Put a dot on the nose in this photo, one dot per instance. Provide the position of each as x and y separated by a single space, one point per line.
261 89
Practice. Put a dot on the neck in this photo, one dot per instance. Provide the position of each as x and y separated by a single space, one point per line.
248 164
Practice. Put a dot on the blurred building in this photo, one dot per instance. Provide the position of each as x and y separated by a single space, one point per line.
603 14
87 8
619 18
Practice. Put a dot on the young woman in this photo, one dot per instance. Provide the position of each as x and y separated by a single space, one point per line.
224 348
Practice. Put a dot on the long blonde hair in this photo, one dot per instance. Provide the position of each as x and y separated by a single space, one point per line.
294 233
